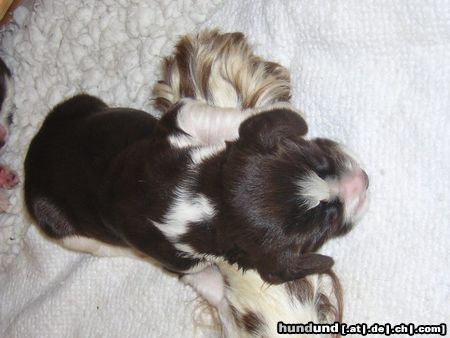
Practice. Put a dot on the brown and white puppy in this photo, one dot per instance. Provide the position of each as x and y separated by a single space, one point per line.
117 181
97 175
293 193
222 71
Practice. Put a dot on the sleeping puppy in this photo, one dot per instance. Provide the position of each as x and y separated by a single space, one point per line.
290 194
222 71
114 181
184 190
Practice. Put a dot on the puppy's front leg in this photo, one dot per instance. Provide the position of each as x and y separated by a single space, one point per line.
208 283
207 124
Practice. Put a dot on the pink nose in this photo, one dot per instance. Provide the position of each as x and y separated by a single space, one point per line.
354 185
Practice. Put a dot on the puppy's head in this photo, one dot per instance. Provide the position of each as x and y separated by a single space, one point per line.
288 195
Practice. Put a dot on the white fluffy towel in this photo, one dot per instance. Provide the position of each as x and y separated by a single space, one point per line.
372 74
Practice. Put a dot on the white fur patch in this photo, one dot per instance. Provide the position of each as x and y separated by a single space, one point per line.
182 141
208 283
314 189
186 208
210 125
356 208
100 249
198 155
186 248
95 247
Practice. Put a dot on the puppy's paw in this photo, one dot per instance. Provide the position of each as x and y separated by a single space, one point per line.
208 283
8 177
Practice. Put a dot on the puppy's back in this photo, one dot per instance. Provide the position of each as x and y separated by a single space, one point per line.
73 109
69 158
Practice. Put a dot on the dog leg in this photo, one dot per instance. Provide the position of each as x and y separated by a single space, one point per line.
94 247
208 283
211 125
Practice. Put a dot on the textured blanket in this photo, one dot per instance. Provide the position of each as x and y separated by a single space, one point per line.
375 75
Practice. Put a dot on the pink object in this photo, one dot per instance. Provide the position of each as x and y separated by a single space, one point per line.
354 185
8 177
353 189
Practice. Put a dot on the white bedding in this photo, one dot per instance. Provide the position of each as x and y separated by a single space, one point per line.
375 75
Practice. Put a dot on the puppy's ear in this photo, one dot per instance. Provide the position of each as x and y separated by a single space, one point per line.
306 264
311 263
270 126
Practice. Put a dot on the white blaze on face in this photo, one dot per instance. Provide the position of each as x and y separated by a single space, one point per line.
314 189
351 190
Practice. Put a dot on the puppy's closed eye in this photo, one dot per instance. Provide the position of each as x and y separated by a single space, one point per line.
332 214
322 166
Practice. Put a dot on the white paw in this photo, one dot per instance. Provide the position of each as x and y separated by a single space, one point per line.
208 283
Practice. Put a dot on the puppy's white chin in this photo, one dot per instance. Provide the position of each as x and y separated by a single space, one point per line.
353 192
358 208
